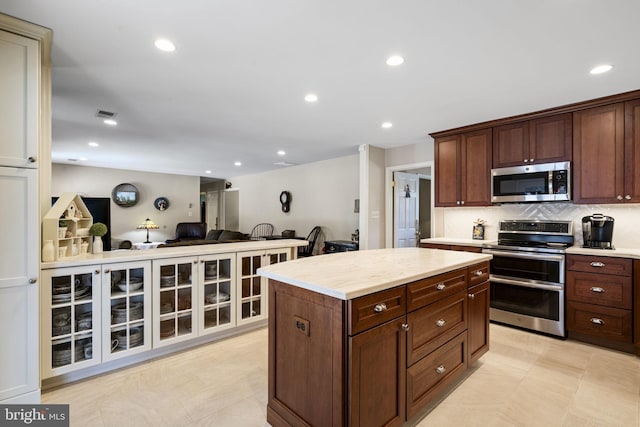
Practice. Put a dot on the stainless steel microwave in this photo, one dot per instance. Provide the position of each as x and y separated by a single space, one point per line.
546 182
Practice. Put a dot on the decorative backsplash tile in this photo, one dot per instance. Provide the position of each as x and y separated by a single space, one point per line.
458 222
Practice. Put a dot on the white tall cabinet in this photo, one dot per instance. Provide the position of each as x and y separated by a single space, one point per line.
24 136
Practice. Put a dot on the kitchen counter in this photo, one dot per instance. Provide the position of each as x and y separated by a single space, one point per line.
617 252
458 241
349 275
125 255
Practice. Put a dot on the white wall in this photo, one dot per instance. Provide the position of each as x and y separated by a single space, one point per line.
181 191
372 197
322 193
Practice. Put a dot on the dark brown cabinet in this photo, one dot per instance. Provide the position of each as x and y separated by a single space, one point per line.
606 153
600 301
376 360
543 140
462 169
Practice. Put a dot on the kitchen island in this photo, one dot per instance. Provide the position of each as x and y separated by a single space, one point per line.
372 337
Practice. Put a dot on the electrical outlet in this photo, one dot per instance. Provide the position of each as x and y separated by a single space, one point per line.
302 325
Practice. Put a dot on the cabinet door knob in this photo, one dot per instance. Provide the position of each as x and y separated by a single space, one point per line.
471 296
462 202
526 160
597 321
597 264
107 270
627 197
457 202
33 280
31 159
440 323
619 197
440 286
440 369
97 271
405 327
597 289
531 160
379 308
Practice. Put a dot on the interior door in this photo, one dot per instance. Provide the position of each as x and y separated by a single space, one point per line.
405 210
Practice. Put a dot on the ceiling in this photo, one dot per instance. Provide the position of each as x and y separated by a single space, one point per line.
233 90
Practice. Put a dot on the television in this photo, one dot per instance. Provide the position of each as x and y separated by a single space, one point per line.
100 209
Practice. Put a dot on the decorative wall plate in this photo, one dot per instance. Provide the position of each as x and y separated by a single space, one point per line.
161 203
125 195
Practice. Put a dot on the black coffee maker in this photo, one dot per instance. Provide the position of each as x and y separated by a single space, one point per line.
597 231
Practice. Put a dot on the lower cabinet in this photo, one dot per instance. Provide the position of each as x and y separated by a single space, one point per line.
93 314
376 360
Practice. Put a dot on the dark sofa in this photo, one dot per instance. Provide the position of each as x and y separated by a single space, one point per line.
212 237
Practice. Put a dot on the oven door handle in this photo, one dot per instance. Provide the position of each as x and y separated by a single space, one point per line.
525 284
523 255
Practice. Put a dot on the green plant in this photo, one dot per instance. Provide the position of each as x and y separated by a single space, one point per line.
98 229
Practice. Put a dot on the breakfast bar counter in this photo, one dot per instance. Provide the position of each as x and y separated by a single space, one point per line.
372 337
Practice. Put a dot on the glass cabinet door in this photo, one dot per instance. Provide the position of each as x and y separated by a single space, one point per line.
127 309
174 294
216 298
252 298
71 324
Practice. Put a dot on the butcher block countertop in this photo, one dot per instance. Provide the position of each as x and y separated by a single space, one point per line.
348 275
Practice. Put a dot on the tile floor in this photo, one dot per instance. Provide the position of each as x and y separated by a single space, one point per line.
525 380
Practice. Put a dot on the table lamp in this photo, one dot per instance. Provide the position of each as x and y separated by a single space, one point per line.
148 225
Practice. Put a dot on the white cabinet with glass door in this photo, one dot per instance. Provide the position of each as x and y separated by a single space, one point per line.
252 288
174 296
216 293
70 320
126 309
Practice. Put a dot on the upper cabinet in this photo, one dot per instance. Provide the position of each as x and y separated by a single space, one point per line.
606 154
462 169
544 140
19 100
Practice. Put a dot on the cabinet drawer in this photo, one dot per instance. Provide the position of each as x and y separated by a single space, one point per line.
602 265
426 291
434 325
602 322
607 290
462 248
375 309
478 273
429 376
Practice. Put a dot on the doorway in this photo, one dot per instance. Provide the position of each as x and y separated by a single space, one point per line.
397 225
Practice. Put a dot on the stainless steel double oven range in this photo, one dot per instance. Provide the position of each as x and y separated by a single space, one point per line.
527 274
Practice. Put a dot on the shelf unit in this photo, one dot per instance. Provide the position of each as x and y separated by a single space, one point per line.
69 242
216 294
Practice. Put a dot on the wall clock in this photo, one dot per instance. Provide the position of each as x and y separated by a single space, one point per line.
285 200
125 195
161 203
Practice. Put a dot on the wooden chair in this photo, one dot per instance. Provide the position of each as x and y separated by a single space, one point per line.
261 231
305 251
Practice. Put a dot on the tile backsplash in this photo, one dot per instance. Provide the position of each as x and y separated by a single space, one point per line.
458 222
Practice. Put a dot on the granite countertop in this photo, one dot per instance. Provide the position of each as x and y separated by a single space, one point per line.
172 252
458 241
348 275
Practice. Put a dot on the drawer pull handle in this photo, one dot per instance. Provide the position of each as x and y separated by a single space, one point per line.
405 327
440 369
597 321
597 289
478 273
597 264
440 286
440 323
379 308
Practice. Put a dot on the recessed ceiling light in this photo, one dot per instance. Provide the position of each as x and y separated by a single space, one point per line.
110 122
395 60
281 153
311 97
207 171
601 69
238 163
165 45
387 125
93 144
